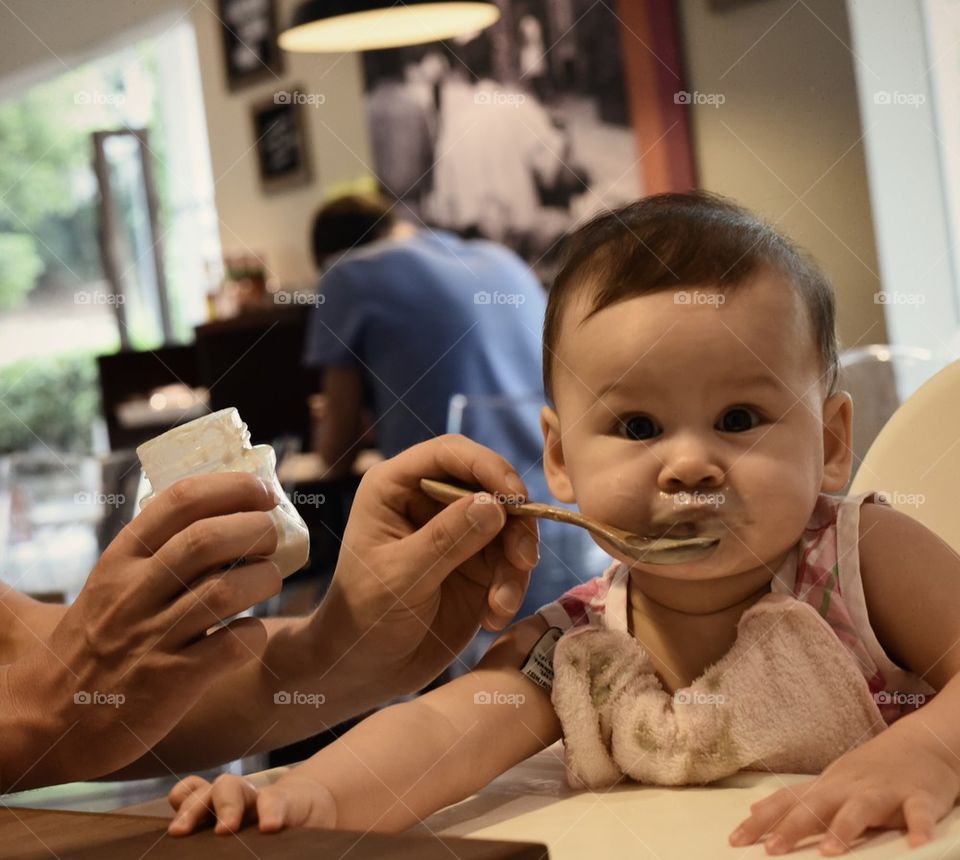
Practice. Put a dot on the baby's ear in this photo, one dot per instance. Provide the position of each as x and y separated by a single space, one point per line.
837 442
554 465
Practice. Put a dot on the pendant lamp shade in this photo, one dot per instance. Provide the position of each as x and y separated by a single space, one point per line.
338 26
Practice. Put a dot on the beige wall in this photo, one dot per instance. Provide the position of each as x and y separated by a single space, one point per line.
789 128
42 39
278 224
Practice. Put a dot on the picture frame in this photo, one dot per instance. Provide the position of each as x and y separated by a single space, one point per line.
250 50
281 142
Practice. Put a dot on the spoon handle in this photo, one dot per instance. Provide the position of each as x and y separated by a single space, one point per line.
448 493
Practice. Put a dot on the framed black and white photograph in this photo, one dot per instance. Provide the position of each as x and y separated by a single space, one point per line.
518 132
250 49
281 142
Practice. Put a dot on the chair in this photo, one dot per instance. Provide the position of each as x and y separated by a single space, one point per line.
128 374
916 456
254 362
879 378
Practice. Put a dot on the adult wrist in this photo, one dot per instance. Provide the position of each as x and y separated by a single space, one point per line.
36 726
341 662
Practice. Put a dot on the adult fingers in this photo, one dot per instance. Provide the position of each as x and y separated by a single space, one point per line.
456 457
219 596
188 501
511 576
211 543
454 535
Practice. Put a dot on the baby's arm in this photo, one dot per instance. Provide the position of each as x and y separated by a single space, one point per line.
405 762
908 776
911 583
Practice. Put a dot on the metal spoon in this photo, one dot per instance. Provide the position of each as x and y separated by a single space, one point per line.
646 549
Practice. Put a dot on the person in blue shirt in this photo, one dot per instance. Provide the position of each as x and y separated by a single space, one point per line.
419 326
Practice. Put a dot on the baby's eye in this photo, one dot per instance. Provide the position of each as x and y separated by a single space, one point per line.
738 420
640 427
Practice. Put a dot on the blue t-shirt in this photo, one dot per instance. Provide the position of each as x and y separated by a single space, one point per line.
429 317
433 316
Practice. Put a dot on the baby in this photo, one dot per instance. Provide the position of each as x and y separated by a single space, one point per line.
691 363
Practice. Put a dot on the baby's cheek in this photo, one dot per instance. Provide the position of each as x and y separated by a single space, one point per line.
778 515
611 497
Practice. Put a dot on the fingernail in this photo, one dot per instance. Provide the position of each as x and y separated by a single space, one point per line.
775 845
831 846
529 550
508 597
516 486
483 514
739 836
269 490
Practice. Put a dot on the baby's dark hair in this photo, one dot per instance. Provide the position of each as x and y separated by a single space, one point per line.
683 240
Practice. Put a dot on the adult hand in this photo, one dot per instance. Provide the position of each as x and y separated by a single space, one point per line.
133 653
414 579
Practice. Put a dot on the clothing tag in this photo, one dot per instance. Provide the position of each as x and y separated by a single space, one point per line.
538 666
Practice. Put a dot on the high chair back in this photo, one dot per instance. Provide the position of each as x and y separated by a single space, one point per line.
879 378
916 456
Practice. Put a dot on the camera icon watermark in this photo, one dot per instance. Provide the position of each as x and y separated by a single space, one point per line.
111 500
512 499
898 697
309 500
297 697
715 100
484 297
95 697
696 297
495 697
684 498
893 297
696 697
498 98
94 97
297 97
91 297
885 97
902 500
285 297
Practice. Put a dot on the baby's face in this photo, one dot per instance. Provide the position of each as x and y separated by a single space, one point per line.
699 417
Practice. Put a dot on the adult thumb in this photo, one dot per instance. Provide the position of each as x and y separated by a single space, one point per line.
455 534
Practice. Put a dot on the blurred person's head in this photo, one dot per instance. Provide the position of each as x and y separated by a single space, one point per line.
471 56
350 222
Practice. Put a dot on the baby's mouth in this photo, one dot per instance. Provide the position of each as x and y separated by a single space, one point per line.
692 525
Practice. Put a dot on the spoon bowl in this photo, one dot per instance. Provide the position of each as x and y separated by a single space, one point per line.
649 550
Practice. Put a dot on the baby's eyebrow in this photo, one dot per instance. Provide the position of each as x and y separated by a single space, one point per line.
756 380
761 380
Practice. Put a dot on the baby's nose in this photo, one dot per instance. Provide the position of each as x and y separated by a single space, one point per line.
690 469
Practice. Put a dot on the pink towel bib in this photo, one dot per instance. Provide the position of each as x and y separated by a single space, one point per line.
805 680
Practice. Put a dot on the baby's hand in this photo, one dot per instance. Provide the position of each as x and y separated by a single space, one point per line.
896 780
292 801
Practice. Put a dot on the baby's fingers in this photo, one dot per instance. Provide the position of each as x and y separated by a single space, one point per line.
232 797
191 798
183 789
226 799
